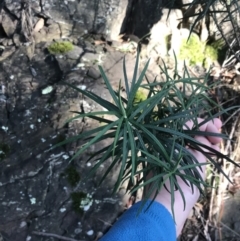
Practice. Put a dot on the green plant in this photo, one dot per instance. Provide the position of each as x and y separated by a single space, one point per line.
60 47
192 49
197 52
211 54
218 12
149 136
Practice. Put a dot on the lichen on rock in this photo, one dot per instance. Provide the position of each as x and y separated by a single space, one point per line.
81 201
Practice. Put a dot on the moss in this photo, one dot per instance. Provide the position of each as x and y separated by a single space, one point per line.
77 198
4 151
140 96
197 52
73 176
211 52
192 49
60 47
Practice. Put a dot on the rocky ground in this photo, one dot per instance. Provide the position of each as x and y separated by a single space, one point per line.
40 189
35 191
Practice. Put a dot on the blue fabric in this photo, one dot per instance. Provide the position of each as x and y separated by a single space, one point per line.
153 223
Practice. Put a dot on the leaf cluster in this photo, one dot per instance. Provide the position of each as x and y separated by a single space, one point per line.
150 138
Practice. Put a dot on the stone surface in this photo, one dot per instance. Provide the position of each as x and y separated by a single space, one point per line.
9 23
161 31
14 7
75 53
93 73
34 193
39 25
17 39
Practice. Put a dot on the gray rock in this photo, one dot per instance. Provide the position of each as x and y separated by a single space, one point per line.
9 24
75 53
10 42
93 73
161 30
115 19
14 7
168 23
101 17
90 58
7 52
17 39
5 42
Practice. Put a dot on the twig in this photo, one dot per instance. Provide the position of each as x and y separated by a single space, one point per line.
54 236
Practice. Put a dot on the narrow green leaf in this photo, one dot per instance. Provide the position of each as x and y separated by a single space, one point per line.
118 134
125 77
111 91
135 73
135 87
106 104
133 150
102 132
153 139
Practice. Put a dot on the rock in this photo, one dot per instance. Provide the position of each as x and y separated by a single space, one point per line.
30 50
39 25
5 42
10 42
14 7
93 73
117 15
141 16
17 39
40 37
105 17
75 53
35 5
168 23
90 58
161 31
47 34
9 24
49 21
53 32
7 52
177 37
